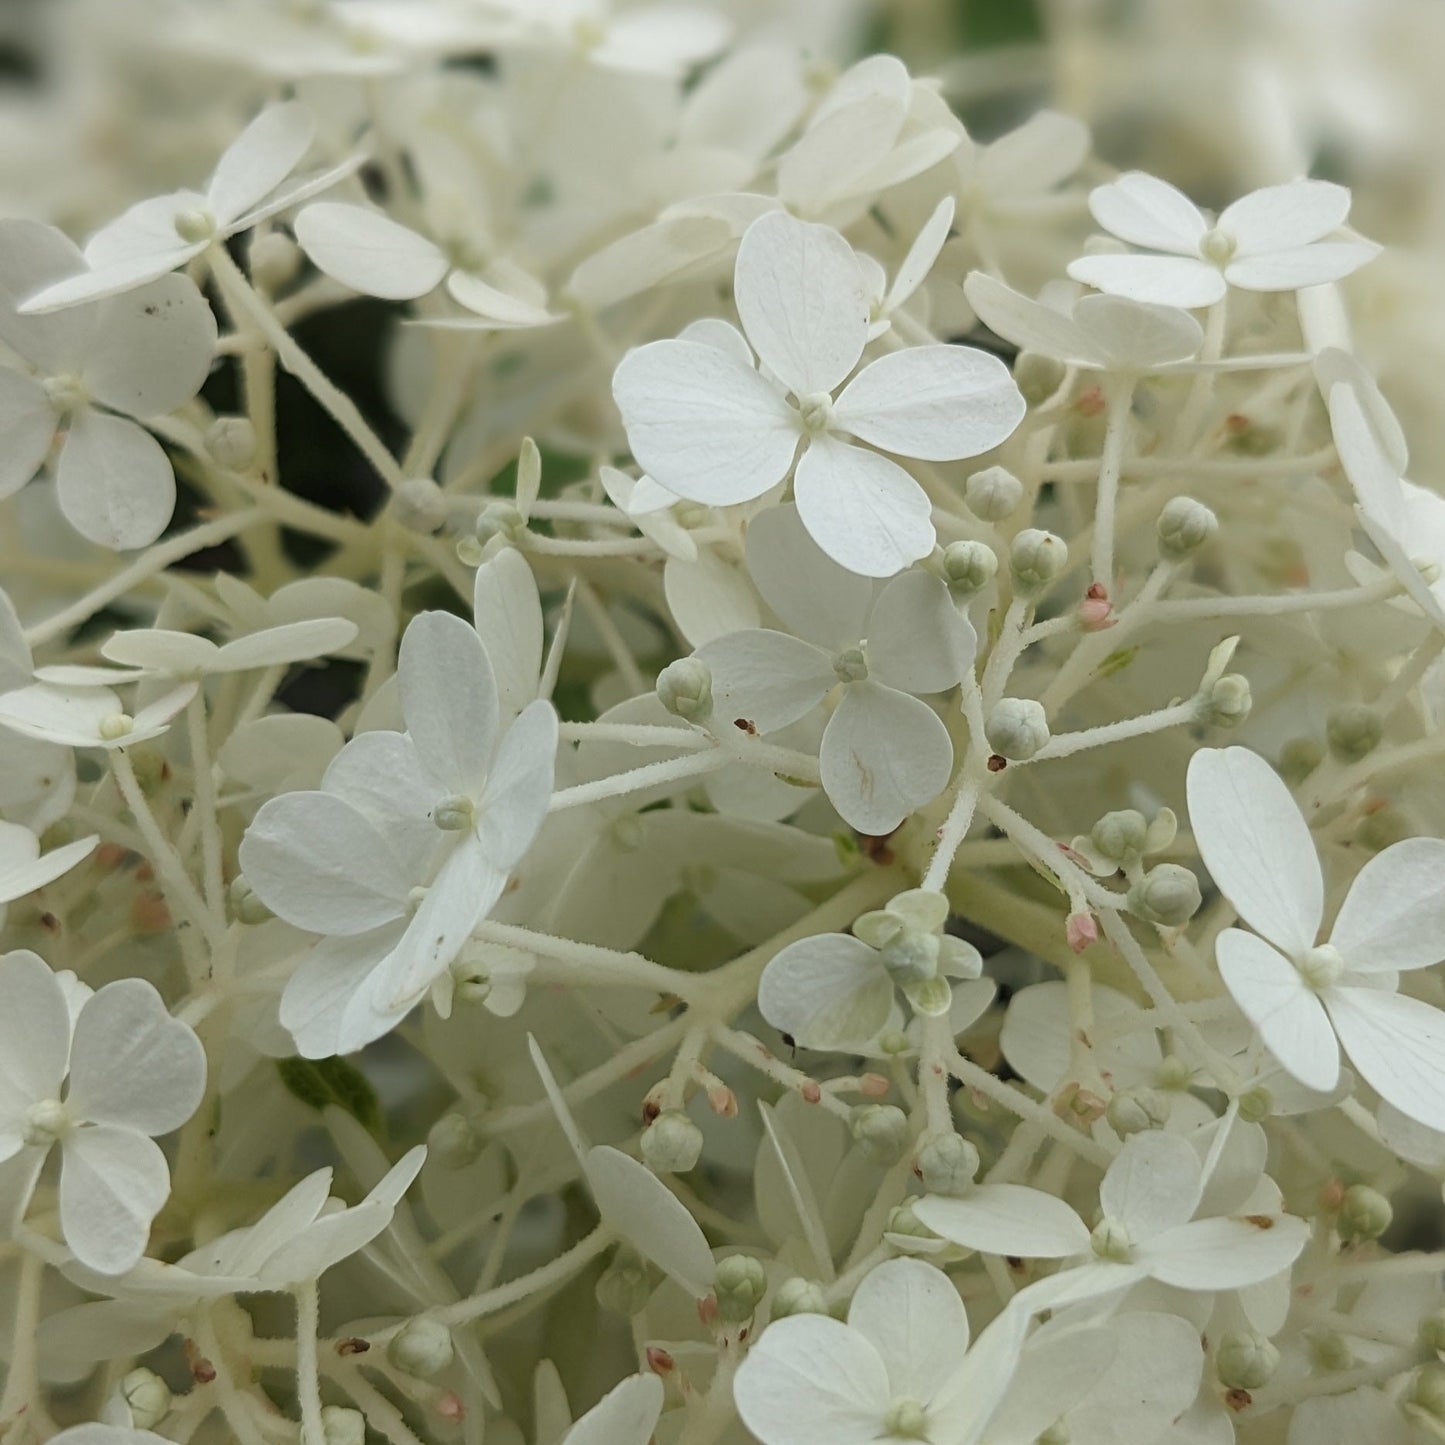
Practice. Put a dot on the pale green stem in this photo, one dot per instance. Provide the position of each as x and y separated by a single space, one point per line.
308 1374
1120 394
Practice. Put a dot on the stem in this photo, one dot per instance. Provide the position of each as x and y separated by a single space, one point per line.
308 1374
1120 393
548 1277
650 775
203 785
951 835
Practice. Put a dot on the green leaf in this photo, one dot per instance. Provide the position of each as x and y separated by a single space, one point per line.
319 1082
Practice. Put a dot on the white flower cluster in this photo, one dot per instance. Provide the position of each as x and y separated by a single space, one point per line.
704 761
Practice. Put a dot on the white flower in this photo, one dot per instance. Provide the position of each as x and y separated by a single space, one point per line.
407 845
885 299
899 1369
1269 240
88 375
626 1415
134 1072
164 233
22 867
657 39
88 717
705 423
1301 994
884 751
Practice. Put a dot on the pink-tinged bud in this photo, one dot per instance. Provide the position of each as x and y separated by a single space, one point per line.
811 1093
1096 614
449 1407
1081 930
659 1361
723 1102
873 1086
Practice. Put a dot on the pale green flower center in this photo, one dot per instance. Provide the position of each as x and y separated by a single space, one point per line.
1321 966
195 225
1218 246
907 1418
46 1122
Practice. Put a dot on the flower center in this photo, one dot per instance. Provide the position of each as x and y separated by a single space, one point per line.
1218 246
816 412
1111 1240
67 394
46 1122
116 726
1321 966
906 1417
851 665
195 225
455 814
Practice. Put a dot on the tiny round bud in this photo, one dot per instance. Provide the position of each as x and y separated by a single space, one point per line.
1383 828
1227 702
246 907
739 1284
881 1130
1036 558
342 1425
1329 1351
1037 376
947 1164
419 505
453 1142
1298 759
1120 836
423 1347
969 567
1168 894
624 1286
1017 728
501 519
1184 526
911 956
1425 1402
1353 732
672 1143
195 225
116 726
231 441
906 1420
902 1220
1255 1106
456 814
798 1296
1111 1240
147 1398
274 260
1365 1213
1245 1360
1132 1111
993 494
684 688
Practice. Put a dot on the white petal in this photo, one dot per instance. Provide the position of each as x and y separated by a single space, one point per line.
1138 336
709 598
1035 1037
938 403
449 701
1306 266
508 616
112 1184
34 1035
813 596
1146 211
1277 218
497 307
703 424
152 349
1046 149
662 39
1281 1005
1398 1045
27 427
1373 471
32 256
802 300
1152 1185
1348 1419
912 1315
369 252
114 482
1393 917
810 1380
763 678
23 869
259 159
915 266
863 510
884 755
71 717
553 1090
326 1005
826 992
1162 280
515 802
918 641
1256 844
320 864
160 650
1030 325
1215 1254
626 1415
288 643
132 1064
978 1385
1007 1219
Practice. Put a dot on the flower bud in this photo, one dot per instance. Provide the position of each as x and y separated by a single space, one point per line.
881 1130
501 519
455 814
1132 1111
672 1143
1255 1106
1120 836
1330 1351
932 997
1298 759
1037 376
341 1425
1168 894
1225 703
624 1286
684 688
740 1284
423 1347
1425 1403
419 505
1184 526
1353 732
947 1164
274 260
1017 728
453 1142
797 1296
911 956
993 494
1383 828
1111 1240
1365 1214
1036 558
902 1220
246 907
969 567
231 441
1245 1360
147 1398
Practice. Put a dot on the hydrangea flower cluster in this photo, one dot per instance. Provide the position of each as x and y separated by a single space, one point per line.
687 756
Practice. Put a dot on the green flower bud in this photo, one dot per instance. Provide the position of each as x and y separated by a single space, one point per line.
231 441
1132 1111
906 1420
902 1220
1245 1360
993 494
1298 759
1425 1404
1330 1352
501 519
1184 526
672 1143
1226 703
740 1284
932 997
1167 894
274 261
1365 1214
342 1425
1017 728
1111 1240
969 567
1353 732
246 907
1161 832
624 1287
911 956
456 814
147 1398
1036 558
1037 376
1120 837
797 1296
1383 828
881 1130
1173 1073
684 688
453 1142
419 505
947 1164
423 1347
851 665
1255 1106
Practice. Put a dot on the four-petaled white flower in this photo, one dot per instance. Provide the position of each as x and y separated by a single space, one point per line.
708 423
1269 240
134 1072
1302 995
